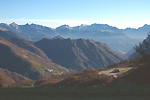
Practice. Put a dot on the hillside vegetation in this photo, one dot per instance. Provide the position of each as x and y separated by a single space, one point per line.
86 78
25 62
11 79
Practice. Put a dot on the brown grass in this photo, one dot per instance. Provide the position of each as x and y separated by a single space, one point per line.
88 77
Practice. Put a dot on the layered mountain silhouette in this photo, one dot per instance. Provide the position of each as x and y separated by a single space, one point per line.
26 63
116 39
20 42
21 58
30 31
5 33
78 54
138 34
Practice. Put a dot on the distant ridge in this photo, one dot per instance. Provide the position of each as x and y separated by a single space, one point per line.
20 42
118 40
58 37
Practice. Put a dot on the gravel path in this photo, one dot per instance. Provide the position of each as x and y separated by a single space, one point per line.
110 72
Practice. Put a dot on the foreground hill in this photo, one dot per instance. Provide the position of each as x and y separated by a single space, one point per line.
25 62
142 73
78 54
10 79
141 49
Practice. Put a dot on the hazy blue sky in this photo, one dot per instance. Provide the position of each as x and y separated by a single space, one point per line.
53 13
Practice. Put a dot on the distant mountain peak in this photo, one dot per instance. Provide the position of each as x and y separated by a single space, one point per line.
33 24
27 24
13 24
64 26
67 26
96 24
82 25
58 37
146 25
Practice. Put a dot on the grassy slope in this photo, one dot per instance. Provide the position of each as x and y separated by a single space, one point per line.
86 93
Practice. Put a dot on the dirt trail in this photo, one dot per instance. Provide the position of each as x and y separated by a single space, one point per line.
112 72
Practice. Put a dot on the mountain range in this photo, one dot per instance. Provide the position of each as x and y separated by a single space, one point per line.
78 54
118 40
33 53
30 32
36 60
139 34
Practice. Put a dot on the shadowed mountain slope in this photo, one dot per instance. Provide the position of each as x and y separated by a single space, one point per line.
5 33
8 79
78 54
25 62
20 42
